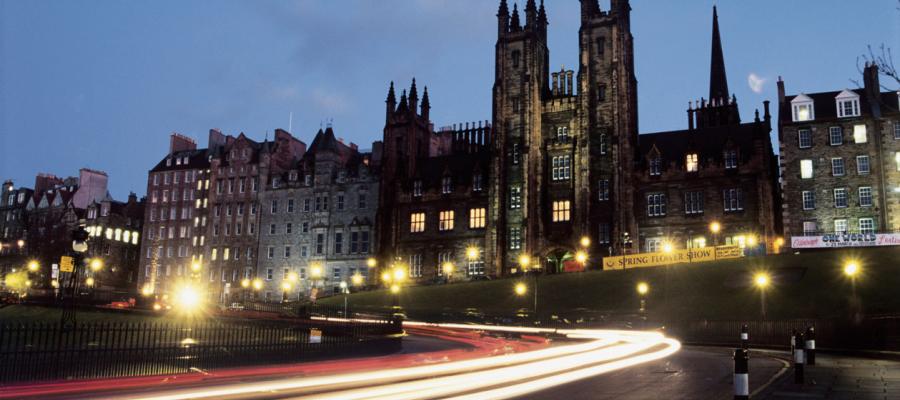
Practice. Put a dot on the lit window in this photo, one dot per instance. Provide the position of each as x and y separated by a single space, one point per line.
859 134
214 253
562 168
865 196
561 211
733 199
446 221
515 238
477 218
417 222
806 169
226 253
804 138
809 200
515 197
840 198
837 167
653 245
802 107
862 165
656 205
866 225
840 226
691 162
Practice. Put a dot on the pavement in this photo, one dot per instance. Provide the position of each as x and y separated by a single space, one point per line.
692 373
838 378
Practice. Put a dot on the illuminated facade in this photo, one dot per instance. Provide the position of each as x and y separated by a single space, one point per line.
840 160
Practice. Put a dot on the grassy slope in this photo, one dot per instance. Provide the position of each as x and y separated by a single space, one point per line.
19 313
804 285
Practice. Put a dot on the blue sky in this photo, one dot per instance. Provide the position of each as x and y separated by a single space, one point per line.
102 83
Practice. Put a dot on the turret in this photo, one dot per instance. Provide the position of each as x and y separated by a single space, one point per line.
404 106
426 105
503 18
413 97
531 15
514 24
589 8
391 102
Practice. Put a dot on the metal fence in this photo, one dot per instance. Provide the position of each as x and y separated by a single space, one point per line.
42 352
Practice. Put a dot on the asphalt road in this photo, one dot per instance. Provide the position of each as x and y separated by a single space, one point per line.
692 373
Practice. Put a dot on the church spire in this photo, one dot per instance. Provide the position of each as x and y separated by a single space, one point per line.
503 17
718 83
515 25
542 15
531 14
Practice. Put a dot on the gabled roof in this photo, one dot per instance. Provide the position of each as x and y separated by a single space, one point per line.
707 142
196 159
826 106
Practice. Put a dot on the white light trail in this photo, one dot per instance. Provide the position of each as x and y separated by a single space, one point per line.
498 377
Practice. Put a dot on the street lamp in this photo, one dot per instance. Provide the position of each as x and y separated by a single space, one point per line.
371 262
20 243
448 269
762 282
33 266
521 289
525 262
195 266
472 253
852 270
581 257
89 281
585 241
356 279
715 227
96 264
643 288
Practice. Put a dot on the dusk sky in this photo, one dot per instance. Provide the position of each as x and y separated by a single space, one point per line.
102 84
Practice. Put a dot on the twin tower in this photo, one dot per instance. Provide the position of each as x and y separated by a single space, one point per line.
553 167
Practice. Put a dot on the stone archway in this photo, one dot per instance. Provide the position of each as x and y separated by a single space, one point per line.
554 260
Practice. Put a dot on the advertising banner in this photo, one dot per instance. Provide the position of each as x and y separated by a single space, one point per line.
845 240
676 257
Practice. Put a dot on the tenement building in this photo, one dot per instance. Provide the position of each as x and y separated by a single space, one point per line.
840 161
317 217
715 183
13 201
115 243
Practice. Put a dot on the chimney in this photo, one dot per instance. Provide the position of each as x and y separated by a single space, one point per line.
766 115
569 86
690 112
780 91
555 88
872 88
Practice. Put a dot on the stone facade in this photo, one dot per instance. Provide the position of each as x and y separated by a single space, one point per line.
115 237
719 170
13 200
840 160
320 212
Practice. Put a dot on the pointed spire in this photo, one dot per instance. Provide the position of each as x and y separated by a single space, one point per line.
391 98
530 14
413 93
589 8
503 17
425 102
515 25
718 82
403 104
542 15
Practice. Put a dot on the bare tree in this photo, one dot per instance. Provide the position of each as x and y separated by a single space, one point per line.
884 60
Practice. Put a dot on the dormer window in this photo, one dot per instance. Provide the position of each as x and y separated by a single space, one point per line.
655 166
803 109
847 104
691 162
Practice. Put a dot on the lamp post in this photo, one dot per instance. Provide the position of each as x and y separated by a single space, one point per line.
70 290
714 228
447 268
525 263
245 286
762 282
642 289
315 273
345 291
851 270
393 278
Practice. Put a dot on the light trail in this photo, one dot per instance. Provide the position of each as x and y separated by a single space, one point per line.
497 377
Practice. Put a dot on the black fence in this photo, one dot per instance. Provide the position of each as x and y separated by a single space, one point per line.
44 352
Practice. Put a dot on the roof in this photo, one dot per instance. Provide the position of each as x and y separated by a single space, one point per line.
708 142
197 159
826 105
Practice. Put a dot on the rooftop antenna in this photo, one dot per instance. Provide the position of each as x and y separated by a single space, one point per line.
291 122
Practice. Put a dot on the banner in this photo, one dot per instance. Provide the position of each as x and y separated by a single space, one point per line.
676 257
845 240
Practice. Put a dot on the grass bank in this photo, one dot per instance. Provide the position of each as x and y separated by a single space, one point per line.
807 285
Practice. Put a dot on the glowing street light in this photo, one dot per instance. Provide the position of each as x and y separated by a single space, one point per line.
195 266
524 261
147 290
356 279
96 264
245 283
585 241
371 262
643 288
715 227
472 253
257 284
581 257
667 248
315 271
851 269
386 277
89 281
751 240
762 282
521 289
188 298
33 266
399 274
395 289
286 286
20 243
293 277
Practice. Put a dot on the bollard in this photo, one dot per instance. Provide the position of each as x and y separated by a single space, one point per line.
810 346
745 337
741 374
798 358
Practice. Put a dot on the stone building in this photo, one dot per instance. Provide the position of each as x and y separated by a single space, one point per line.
175 216
319 212
719 170
433 202
840 160
115 238
13 201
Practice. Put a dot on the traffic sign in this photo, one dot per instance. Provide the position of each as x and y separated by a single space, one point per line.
66 264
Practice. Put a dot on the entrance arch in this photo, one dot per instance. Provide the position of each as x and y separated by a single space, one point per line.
556 260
